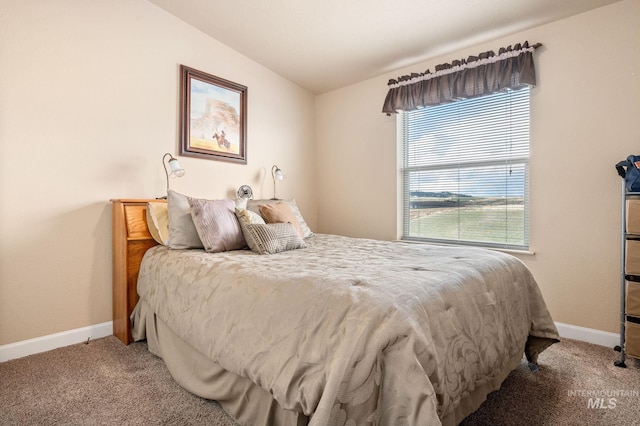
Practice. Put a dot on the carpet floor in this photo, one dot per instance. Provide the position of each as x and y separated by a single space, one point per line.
107 383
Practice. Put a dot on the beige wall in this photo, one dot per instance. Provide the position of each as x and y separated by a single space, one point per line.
88 106
89 102
584 118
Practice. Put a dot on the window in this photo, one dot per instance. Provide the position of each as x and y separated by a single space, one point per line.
465 171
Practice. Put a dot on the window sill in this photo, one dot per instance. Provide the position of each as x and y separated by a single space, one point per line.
503 250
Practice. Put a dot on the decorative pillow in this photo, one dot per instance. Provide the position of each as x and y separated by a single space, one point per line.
248 217
241 203
182 231
158 221
254 205
272 238
280 213
217 225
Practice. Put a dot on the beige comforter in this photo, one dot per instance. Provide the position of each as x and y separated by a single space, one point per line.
354 331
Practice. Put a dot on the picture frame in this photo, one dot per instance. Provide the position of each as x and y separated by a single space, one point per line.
213 117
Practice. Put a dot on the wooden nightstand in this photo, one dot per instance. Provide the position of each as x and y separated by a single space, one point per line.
131 237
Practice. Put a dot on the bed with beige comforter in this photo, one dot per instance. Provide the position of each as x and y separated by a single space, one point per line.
345 332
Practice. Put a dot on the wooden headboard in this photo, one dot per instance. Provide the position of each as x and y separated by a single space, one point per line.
131 239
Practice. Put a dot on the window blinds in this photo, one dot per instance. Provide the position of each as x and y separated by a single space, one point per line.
465 172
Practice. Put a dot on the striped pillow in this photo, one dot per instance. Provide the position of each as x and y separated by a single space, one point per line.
216 224
270 238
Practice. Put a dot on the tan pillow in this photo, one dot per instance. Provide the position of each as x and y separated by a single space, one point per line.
280 213
254 205
158 221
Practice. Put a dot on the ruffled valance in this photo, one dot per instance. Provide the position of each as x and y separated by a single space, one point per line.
486 73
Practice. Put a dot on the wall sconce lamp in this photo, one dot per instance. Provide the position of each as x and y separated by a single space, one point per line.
277 175
174 167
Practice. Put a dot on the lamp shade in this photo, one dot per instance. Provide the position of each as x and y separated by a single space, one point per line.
277 175
174 168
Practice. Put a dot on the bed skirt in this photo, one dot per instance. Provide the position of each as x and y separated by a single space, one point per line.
246 402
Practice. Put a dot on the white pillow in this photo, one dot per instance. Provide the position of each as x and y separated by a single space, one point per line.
248 216
241 203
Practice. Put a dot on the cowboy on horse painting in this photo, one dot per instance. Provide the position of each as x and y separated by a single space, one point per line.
222 140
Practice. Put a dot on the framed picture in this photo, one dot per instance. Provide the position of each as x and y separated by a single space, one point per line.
213 117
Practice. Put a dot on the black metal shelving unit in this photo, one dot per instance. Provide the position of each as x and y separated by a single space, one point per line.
629 285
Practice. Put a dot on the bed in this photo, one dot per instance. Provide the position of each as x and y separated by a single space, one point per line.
341 331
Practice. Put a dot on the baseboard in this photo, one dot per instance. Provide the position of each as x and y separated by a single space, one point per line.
54 341
589 335
66 338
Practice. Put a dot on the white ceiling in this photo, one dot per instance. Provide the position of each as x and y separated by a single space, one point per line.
323 45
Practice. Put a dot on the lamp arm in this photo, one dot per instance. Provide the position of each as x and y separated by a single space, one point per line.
274 170
164 164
